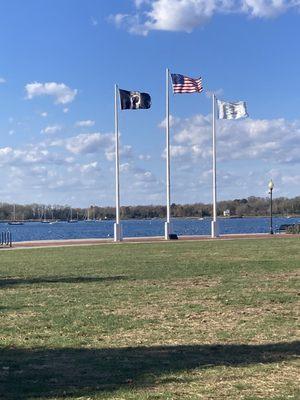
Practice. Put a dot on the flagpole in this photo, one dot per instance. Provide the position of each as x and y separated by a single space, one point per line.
117 225
214 223
168 223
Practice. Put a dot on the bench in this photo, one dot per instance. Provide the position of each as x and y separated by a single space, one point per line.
283 228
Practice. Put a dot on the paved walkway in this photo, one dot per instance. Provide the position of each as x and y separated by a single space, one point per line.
89 242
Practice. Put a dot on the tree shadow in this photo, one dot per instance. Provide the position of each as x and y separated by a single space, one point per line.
56 279
28 373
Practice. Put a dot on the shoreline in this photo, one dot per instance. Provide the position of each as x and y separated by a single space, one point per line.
289 216
151 239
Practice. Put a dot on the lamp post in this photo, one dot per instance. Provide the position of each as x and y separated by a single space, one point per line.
271 187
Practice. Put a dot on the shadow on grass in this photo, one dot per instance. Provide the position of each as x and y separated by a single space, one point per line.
56 279
43 373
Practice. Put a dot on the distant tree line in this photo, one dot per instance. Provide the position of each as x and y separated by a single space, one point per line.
252 206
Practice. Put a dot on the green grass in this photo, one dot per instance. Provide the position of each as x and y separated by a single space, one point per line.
179 320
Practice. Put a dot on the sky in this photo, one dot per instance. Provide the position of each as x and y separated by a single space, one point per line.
60 60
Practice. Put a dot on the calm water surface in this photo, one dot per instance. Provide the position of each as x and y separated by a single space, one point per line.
138 228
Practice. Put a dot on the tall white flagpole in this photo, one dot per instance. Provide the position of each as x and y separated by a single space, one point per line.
117 225
168 223
214 223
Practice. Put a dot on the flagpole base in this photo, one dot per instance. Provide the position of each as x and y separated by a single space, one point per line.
168 230
118 234
214 229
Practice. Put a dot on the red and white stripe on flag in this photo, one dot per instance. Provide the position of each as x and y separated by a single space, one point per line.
184 84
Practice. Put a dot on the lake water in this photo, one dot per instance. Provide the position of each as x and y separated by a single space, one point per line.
138 228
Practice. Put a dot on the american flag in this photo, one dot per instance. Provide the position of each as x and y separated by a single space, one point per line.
184 84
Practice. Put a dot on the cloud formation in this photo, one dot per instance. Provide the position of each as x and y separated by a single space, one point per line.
61 92
249 152
88 143
30 155
186 15
50 130
86 124
247 139
77 169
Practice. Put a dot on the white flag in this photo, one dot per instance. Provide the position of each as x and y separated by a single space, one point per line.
232 110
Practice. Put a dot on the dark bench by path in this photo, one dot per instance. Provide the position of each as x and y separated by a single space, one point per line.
284 227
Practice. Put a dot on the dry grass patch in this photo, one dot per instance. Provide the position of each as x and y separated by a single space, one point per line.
182 320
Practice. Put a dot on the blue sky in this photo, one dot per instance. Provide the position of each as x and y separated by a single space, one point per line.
60 60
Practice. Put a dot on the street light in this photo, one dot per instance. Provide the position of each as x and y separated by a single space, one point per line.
271 187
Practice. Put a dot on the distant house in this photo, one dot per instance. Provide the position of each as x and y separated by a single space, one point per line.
226 213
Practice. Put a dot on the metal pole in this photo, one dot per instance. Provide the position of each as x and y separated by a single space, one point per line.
214 223
271 211
168 223
117 225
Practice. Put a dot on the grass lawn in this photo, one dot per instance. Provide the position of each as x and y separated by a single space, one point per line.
179 320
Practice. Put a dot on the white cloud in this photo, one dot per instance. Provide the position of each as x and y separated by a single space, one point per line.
44 114
186 15
65 110
140 181
138 3
248 139
62 93
267 8
144 157
172 122
89 143
5 152
64 169
94 21
125 151
2 80
125 167
90 167
291 180
30 155
145 176
129 22
87 123
50 130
